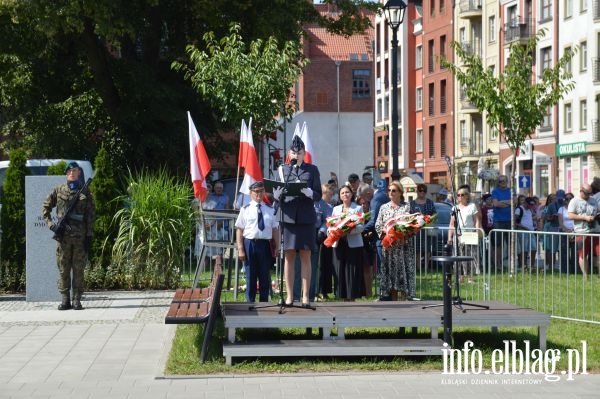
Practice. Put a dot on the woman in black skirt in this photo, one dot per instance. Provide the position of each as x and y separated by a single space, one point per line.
299 218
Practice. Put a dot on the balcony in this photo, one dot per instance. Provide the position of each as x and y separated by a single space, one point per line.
595 131
471 48
466 105
519 30
470 9
596 70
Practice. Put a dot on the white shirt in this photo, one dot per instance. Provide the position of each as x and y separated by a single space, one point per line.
248 221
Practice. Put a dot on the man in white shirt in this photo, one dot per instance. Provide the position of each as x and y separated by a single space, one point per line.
583 211
257 230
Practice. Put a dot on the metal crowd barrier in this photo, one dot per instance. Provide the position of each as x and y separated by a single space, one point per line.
215 236
535 269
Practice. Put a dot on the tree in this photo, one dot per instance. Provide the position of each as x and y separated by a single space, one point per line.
515 102
245 81
13 222
105 190
75 75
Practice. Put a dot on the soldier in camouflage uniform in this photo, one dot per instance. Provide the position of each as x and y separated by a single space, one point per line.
73 247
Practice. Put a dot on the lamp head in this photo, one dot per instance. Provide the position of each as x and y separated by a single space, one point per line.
394 12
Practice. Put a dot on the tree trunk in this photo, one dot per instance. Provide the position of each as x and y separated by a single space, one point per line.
97 55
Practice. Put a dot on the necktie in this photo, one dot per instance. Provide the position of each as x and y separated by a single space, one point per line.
261 219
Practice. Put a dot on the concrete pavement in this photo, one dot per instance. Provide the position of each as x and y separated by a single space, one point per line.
117 348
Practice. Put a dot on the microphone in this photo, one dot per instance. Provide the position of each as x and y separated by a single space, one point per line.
294 163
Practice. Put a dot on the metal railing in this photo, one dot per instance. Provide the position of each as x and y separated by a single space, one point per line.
519 30
215 236
538 270
534 269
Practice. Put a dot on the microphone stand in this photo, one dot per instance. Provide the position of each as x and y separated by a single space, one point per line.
280 259
457 300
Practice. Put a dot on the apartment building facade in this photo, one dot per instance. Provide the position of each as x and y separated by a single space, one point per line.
561 153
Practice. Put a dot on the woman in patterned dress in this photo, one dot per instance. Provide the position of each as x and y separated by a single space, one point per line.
397 272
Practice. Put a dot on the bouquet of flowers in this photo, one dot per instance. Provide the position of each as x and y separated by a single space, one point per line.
341 225
402 227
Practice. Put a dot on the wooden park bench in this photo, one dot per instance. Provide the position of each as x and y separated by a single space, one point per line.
198 305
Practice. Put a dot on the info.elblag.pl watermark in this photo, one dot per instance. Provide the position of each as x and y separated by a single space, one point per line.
511 360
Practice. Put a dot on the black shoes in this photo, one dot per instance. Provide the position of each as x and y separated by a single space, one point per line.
77 304
65 306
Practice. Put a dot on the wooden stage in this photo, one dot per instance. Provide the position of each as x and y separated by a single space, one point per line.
342 315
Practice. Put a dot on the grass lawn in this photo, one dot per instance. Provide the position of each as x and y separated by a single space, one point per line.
184 356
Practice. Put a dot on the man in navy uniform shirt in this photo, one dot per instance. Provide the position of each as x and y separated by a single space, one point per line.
256 226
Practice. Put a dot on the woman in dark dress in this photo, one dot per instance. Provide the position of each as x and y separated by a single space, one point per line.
348 256
299 218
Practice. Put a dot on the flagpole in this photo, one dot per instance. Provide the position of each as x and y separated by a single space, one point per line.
237 178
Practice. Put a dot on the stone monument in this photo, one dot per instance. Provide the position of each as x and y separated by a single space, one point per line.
41 270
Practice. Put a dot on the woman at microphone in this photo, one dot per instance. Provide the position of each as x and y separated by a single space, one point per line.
299 217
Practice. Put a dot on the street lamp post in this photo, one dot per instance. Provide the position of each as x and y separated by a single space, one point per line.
394 13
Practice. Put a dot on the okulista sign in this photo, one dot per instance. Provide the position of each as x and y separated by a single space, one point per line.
571 148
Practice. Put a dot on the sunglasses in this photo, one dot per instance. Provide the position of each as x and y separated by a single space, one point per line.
501 181
462 195
422 191
585 192
392 191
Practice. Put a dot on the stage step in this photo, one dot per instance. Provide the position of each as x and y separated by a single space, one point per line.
333 347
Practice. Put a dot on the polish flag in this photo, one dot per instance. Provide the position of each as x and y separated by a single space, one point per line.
309 157
310 154
248 159
199 162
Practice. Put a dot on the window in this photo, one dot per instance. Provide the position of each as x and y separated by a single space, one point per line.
583 56
432 8
492 29
419 57
443 99
546 10
568 9
443 140
547 121
419 137
546 56
463 133
431 142
568 64
583 6
493 134
361 83
443 46
379 110
583 115
430 56
568 118
419 99
431 98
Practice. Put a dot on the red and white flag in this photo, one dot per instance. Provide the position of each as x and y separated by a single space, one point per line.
309 156
248 159
199 162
